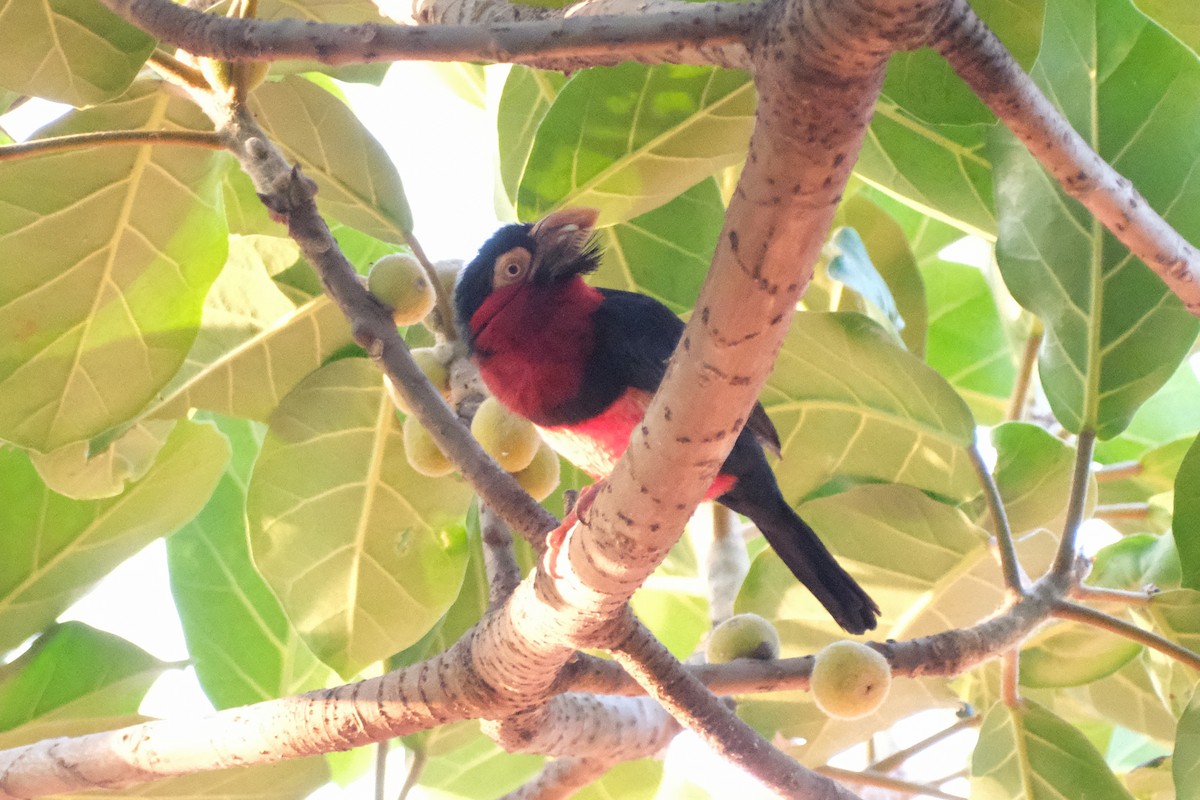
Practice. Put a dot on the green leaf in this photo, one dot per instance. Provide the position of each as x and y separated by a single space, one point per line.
925 235
1028 753
1033 473
255 344
73 470
242 646
1127 698
967 343
665 253
1181 19
1186 759
57 548
1155 476
1137 562
926 565
463 762
941 170
46 683
526 98
1186 524
629 780
1176 616
849 403
73 51
893 260
1114 332
852 267
1172 413
467 81
627 139
1072 655
364 554
359 184
117 246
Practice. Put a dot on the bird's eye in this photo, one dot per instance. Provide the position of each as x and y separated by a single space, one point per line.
511 267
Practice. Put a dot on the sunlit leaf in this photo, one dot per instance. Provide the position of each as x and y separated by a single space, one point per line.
241 644
1033 473
1186 759
665 253
46 683
894 261
1136 563
117 247
967 343
1186 524
1072 655
359 184
256 345
849 403
1114 332
1172 413
57 548
526 98
627 139
75 471
72 51
1181 19
364 554
469 764
1028 753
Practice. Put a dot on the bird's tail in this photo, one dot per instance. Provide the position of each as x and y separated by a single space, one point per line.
814 566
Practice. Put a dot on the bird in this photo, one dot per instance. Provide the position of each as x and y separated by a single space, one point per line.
582 364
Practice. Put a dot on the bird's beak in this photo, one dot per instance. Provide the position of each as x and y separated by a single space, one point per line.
561 238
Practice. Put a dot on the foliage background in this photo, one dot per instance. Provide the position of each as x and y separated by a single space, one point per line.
302 550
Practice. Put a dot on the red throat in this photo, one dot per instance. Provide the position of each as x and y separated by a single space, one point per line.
532 343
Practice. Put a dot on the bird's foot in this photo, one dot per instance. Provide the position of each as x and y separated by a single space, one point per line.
556 540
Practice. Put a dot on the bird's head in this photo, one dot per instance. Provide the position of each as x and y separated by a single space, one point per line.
522 257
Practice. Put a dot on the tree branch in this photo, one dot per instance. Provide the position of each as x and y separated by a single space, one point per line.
1064 560
1067 610
990 70
687 700
1029 357
499 560
677 35
870 777
1010 565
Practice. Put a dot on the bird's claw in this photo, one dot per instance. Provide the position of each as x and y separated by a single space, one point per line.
556 540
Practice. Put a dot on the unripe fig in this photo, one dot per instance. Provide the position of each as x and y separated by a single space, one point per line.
742 636
434 370
541 476
511 440
400 283
850 680
422 452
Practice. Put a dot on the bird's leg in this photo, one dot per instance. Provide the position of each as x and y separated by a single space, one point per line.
557 538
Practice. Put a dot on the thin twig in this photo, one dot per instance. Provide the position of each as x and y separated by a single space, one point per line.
381 754
178 72
1064 609
578 41
982 61
1114 511
689 702
445 304
1099 594
1010 565
500 561
881 781
897 758
85 141
560 778
1064 561
1119 471
1029 356
1010 676
414 774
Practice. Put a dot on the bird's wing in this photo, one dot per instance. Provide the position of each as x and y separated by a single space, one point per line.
639 334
